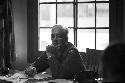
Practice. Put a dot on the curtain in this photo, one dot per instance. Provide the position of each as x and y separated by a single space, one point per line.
9 37
1 32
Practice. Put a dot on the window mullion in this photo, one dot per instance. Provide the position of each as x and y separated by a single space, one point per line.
56 12
95 23
75 22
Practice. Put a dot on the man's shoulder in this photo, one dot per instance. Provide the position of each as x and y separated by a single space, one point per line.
71 47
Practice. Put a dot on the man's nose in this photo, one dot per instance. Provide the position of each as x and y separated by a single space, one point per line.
54 39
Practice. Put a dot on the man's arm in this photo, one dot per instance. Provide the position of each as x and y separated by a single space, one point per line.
41 64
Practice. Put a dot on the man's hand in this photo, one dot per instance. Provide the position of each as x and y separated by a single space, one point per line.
30 71
50 50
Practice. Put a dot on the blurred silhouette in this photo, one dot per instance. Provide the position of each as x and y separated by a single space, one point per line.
113 60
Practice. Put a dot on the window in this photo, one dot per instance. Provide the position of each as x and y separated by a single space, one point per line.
88 22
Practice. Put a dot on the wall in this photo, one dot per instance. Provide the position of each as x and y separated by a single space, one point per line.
20 28
116 20
124 21
32 26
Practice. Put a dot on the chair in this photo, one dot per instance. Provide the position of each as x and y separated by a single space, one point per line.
93 58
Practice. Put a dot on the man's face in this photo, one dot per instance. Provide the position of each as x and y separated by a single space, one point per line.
58 37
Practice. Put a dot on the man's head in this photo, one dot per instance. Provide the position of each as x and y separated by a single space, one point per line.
59 35
113 61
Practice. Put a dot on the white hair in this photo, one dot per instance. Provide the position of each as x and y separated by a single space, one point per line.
61 29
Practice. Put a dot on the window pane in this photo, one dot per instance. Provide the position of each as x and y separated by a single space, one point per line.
47 0
86 39
71 36
57 0
102 0
45 38
47 15
65 14
103 15
65 0
85 0
102 38
86 15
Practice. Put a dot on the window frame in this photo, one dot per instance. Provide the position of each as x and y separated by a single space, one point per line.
75 17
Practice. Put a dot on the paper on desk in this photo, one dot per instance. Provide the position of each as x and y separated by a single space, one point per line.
42 76
14 80
19 75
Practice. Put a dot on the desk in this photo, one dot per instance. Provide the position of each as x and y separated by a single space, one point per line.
20 77
35 80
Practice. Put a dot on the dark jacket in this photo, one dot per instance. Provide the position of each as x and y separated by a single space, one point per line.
64 67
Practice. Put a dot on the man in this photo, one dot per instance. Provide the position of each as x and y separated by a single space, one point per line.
61 56
113 60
